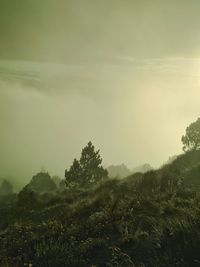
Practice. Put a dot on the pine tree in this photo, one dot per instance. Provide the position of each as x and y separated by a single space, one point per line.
74 175
87 170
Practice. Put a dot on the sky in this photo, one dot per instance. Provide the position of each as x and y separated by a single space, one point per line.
123 74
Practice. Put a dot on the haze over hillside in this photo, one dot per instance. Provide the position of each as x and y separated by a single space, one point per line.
122 171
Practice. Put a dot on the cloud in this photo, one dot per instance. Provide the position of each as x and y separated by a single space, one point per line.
133 111
101 81
72 31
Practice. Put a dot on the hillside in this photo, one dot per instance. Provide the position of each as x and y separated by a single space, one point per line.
149 219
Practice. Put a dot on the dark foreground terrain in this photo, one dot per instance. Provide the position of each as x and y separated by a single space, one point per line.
150 220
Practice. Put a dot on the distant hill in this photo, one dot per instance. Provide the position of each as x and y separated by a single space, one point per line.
16 182
143 168
122 171
118 171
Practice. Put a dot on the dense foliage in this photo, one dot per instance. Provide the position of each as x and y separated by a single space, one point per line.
150 219
42 182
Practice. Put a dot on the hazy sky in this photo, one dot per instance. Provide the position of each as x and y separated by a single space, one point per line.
124 74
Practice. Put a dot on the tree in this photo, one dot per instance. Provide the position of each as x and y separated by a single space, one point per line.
191 139
42 182
87 170
6 188
27 197
75 174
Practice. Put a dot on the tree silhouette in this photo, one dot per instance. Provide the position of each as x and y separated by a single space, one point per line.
87 170
74 175
6 188
191 139
42 182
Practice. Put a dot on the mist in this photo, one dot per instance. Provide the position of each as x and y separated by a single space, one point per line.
123 74
134 112
99 133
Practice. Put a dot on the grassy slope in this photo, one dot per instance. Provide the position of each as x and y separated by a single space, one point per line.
128 222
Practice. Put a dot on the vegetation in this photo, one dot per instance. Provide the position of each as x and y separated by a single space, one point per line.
87 171
6 188
42 182
191 140
144 220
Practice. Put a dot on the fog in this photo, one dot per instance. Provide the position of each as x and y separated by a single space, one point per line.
123 74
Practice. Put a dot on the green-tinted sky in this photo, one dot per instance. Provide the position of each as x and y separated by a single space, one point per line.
124 74
87 30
